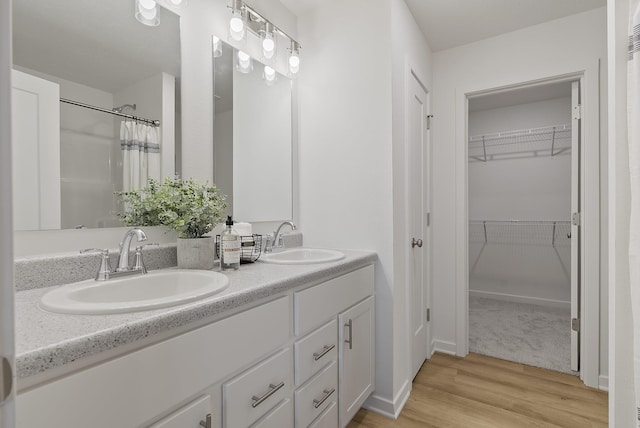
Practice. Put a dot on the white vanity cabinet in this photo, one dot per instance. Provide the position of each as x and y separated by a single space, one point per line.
281 364
347 303
145 386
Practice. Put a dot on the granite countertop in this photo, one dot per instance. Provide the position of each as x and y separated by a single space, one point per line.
46 340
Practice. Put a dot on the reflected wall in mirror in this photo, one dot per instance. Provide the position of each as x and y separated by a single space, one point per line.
252 140
68 160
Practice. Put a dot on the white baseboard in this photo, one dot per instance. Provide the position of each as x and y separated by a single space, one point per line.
521 299
603 383
386 407
444 347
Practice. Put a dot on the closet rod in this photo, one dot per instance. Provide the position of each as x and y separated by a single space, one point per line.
115 113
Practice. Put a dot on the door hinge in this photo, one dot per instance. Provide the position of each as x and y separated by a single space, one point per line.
575 324
575 219
428 314
428 219
577 112
429 119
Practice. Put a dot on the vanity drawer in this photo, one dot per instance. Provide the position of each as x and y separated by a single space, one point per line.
280 417
315 351
328 418
322 302
316 396
251 395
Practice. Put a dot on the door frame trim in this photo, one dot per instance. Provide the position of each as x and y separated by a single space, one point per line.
589 206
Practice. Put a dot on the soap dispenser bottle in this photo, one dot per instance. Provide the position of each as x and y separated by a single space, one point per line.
230 246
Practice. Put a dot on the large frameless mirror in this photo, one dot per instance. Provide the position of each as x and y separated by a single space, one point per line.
69 57
252 137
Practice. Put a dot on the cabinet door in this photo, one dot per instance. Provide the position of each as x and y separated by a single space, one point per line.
189 415
356 358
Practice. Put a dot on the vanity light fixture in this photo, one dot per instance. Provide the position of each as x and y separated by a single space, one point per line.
269 75
244 64
244 18
237 23
294 58
147 12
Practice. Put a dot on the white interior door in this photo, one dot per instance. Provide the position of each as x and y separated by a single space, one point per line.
575 225
417 237
36 152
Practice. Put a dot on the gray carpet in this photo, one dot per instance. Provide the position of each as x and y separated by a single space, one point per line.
529 334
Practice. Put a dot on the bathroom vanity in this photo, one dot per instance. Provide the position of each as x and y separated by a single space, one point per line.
283 346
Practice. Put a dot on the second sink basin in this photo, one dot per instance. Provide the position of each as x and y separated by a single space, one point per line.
134 293
298 256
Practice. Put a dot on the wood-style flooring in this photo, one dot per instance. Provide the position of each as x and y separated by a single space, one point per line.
480 391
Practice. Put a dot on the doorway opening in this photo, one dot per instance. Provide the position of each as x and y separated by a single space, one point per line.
523 199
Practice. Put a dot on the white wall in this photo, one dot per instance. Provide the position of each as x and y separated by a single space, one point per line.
351 155
526 55
622 409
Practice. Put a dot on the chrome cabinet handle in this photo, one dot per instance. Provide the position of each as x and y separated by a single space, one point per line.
6 379
327 393
569 235
207 422
272 390
349 325
325 350
416 243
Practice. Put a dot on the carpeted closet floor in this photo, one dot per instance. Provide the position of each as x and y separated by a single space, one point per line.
529 334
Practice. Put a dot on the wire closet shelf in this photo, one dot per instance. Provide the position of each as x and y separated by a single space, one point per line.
527 232
531 142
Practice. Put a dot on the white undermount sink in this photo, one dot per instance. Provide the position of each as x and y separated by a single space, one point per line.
302 256
154 290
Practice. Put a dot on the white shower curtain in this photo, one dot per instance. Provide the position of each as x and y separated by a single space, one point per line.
633 125
140 146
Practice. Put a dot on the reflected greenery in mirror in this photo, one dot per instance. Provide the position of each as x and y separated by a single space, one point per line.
252 140
96 54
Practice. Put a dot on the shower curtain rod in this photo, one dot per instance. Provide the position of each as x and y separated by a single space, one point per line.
115 113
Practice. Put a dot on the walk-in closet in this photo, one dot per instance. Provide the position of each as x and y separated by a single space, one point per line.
520 190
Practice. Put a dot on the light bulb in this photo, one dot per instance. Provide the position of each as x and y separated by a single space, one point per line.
268 46
269 74
244 62
147 13
177 3
294 62
237 29
217 47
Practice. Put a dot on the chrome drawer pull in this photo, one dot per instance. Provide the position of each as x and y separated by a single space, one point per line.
350 341
207 423
272 390
327 394
325 350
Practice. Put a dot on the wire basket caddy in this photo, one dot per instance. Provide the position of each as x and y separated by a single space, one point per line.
250 248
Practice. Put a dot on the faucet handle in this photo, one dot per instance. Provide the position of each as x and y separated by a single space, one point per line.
104 271
139 262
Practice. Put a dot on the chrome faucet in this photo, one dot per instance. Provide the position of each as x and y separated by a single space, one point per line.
123 259
277 242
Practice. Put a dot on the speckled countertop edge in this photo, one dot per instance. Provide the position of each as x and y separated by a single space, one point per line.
46 340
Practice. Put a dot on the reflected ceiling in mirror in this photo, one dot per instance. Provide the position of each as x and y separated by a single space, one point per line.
97 54
252 140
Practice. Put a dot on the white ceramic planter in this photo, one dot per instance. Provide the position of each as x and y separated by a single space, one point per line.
196 253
